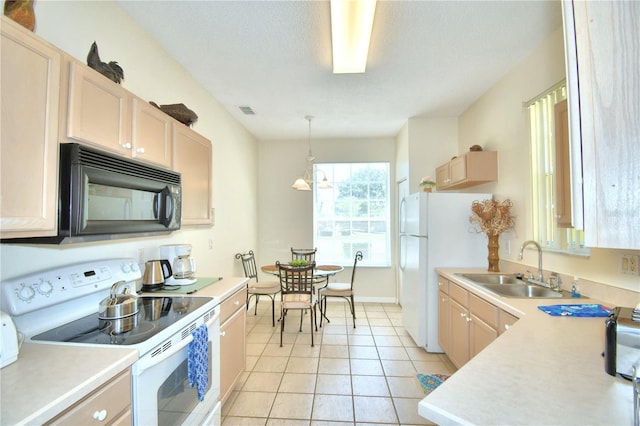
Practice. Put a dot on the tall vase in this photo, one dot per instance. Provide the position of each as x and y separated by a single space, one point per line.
493 257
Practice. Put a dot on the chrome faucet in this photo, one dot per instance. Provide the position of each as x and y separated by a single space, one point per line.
526 243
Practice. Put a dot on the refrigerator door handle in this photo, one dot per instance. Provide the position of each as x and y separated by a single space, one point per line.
403 215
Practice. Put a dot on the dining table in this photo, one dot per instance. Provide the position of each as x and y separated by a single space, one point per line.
321 272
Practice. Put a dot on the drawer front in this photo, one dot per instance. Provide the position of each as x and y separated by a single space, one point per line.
459 294
232 304
443 284
103 406
484 310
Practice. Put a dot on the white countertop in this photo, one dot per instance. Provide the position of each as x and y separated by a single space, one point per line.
49 378
544 370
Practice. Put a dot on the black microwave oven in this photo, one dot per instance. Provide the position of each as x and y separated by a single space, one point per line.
103 197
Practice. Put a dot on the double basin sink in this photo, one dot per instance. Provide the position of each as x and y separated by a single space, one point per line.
512 286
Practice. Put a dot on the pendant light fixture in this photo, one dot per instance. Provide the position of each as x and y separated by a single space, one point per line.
304 182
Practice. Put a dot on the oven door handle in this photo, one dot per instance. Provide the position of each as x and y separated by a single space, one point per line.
145 364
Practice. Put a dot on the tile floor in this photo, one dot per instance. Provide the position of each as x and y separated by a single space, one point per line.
365 375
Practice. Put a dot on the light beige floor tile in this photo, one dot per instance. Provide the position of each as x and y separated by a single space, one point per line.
252 404
393 352
335 339
366 367
387 340
258 337
419 354
407 409
383 331
287 422
398 368
407 341
400 330
405 387
363 352
379 322
361 340
334 351
305 350
323 423
362 328
374 409
333 407
370 386
244 421
334 328
255 348
274 349
251 362
303 365
262 382
432 367
292 406
333 384
334 366
298 383
271 364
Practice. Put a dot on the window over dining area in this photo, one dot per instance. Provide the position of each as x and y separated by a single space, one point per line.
354 214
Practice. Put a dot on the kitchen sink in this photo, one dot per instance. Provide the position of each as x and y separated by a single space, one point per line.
492 278
509 286
527 291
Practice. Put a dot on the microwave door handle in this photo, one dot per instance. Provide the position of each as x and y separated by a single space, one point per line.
156 201
168 208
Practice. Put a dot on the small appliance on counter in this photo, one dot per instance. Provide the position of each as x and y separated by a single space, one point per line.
622 336
183 266
155 274
9 341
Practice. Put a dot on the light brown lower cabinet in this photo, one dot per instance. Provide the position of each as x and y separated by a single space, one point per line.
233 346
468 323
108 405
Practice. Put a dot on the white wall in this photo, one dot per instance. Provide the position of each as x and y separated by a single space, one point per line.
498 121
153 75
285 216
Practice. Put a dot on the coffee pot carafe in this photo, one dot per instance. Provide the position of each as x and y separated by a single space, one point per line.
155 274
183 265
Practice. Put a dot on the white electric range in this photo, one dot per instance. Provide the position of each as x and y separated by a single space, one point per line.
60 306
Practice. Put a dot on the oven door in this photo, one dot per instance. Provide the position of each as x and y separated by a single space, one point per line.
161 391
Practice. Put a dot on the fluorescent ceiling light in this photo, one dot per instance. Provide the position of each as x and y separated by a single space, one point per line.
351 24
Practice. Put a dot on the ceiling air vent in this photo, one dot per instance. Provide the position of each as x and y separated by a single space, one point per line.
247 110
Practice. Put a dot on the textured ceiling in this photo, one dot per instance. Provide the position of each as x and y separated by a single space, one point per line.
427 59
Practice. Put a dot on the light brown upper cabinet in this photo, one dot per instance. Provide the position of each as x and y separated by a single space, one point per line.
30 79
103 114
469 169
192 159
602 44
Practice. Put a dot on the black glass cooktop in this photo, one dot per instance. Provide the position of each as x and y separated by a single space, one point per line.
154 315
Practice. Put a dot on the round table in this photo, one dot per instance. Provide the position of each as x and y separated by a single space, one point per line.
319 271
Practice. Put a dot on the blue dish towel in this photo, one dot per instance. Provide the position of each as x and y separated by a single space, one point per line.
583 310
198 360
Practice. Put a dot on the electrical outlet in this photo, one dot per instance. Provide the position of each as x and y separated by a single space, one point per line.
629 264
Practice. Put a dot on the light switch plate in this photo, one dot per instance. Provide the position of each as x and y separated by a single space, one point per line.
629 264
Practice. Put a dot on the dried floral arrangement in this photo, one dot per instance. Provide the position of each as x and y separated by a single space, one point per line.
492 216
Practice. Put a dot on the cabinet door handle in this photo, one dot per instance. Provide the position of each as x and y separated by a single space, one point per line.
468 319
100 415
140 150
237 302
223 333
126 145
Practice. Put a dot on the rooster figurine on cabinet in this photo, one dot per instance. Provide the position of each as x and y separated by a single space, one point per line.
111 70
21 11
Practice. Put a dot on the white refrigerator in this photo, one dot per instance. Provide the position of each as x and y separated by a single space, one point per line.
434 232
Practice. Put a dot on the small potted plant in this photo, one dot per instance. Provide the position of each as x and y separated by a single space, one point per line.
427 184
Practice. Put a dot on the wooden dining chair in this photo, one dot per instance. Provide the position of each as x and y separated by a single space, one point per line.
338 289
297 293
257 289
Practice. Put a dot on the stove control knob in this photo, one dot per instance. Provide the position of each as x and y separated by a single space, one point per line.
126 267
25 293
45 288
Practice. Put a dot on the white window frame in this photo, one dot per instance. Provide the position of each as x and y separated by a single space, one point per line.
338 235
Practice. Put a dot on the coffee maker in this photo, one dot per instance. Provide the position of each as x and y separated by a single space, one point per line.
183 266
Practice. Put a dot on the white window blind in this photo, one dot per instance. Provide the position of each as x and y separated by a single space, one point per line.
543 187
